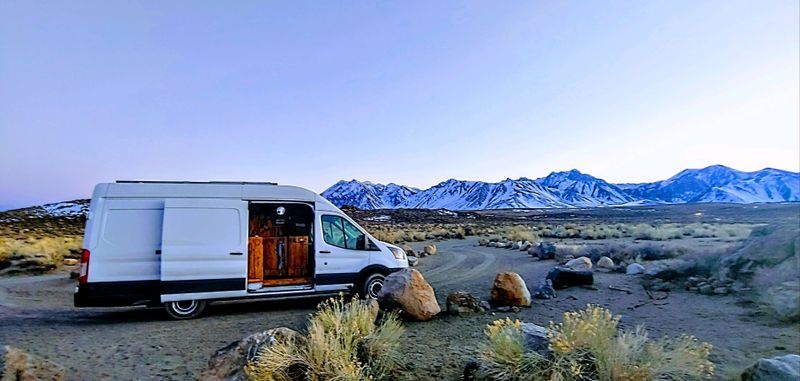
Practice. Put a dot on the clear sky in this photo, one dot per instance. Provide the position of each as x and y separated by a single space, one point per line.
310 92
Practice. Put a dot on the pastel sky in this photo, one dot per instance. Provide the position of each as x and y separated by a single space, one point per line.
310 92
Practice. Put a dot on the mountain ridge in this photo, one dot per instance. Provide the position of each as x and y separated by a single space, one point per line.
572 188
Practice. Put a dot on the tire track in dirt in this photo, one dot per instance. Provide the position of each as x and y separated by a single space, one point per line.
433 273
484 267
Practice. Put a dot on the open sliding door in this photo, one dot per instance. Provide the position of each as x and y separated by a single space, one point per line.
204 249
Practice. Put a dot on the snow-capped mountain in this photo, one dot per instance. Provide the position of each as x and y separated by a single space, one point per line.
579 189
575 189
366 195
718 183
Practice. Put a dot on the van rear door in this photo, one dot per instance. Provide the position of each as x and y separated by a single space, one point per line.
204 249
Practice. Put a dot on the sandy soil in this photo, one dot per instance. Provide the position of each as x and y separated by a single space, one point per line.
36 314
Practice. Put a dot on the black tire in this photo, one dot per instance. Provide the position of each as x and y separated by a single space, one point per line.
371 286
185 309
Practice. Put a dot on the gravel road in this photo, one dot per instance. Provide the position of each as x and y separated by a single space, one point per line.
36 314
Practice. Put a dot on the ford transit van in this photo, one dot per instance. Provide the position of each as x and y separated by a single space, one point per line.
185 244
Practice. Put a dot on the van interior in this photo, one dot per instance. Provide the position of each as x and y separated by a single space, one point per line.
280 246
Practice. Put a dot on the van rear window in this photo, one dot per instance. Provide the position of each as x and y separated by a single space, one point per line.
133 227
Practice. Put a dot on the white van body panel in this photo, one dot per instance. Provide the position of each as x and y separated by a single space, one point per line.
204 247
154 242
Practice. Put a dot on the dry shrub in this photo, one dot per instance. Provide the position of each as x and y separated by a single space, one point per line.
588 345
343 343
521 233
48 249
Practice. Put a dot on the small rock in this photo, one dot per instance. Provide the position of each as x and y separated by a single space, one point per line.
581 263
515 309
706 289
525 246
634 269
412 260
483 242
516 245
782 368
536 339
545 290
509 289
462 303
546 250
605 263
721 291
227 364
503 309
70 262
429 249
563 277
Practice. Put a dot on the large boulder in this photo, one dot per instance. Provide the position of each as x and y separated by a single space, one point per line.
17 365
429 249
783 368
462 303
509 289
580 263
784 300
227 364
407 291
563 277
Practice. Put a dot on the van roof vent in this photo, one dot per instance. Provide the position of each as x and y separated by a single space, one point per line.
193 182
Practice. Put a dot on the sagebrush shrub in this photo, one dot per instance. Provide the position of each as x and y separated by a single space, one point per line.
343 343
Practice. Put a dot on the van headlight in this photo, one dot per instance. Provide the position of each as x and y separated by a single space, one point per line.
398 253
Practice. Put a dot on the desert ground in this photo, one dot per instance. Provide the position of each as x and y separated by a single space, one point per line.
36 312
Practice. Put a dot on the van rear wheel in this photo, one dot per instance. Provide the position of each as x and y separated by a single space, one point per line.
372 285
185 309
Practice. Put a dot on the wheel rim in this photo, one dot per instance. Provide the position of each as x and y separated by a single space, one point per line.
184 307
374 287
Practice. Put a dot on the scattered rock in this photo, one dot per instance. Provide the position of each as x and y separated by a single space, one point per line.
516 245
669 269
462 302
605 263
429 249
634 269
784 300
782 368
546 250
70 262
536 339
563 277
509 289
581 263
483 242
705 289
412 260
228 363
721 291
406 290
17 365
545 290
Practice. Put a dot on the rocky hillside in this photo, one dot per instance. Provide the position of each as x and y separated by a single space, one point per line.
572 189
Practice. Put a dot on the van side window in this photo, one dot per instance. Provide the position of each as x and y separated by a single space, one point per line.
339 232
332 230
354 238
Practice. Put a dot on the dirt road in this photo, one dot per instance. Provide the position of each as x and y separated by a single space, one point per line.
36 314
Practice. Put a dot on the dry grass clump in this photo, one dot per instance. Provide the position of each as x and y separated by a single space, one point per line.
521 233
649 232
46 249
588 345
343 343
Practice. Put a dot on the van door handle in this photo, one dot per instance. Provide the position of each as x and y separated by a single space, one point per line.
158 252
236 253
324 251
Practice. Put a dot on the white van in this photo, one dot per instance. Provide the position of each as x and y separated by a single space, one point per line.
183 244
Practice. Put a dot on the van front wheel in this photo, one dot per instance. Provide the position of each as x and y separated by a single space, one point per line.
372 285
185 309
